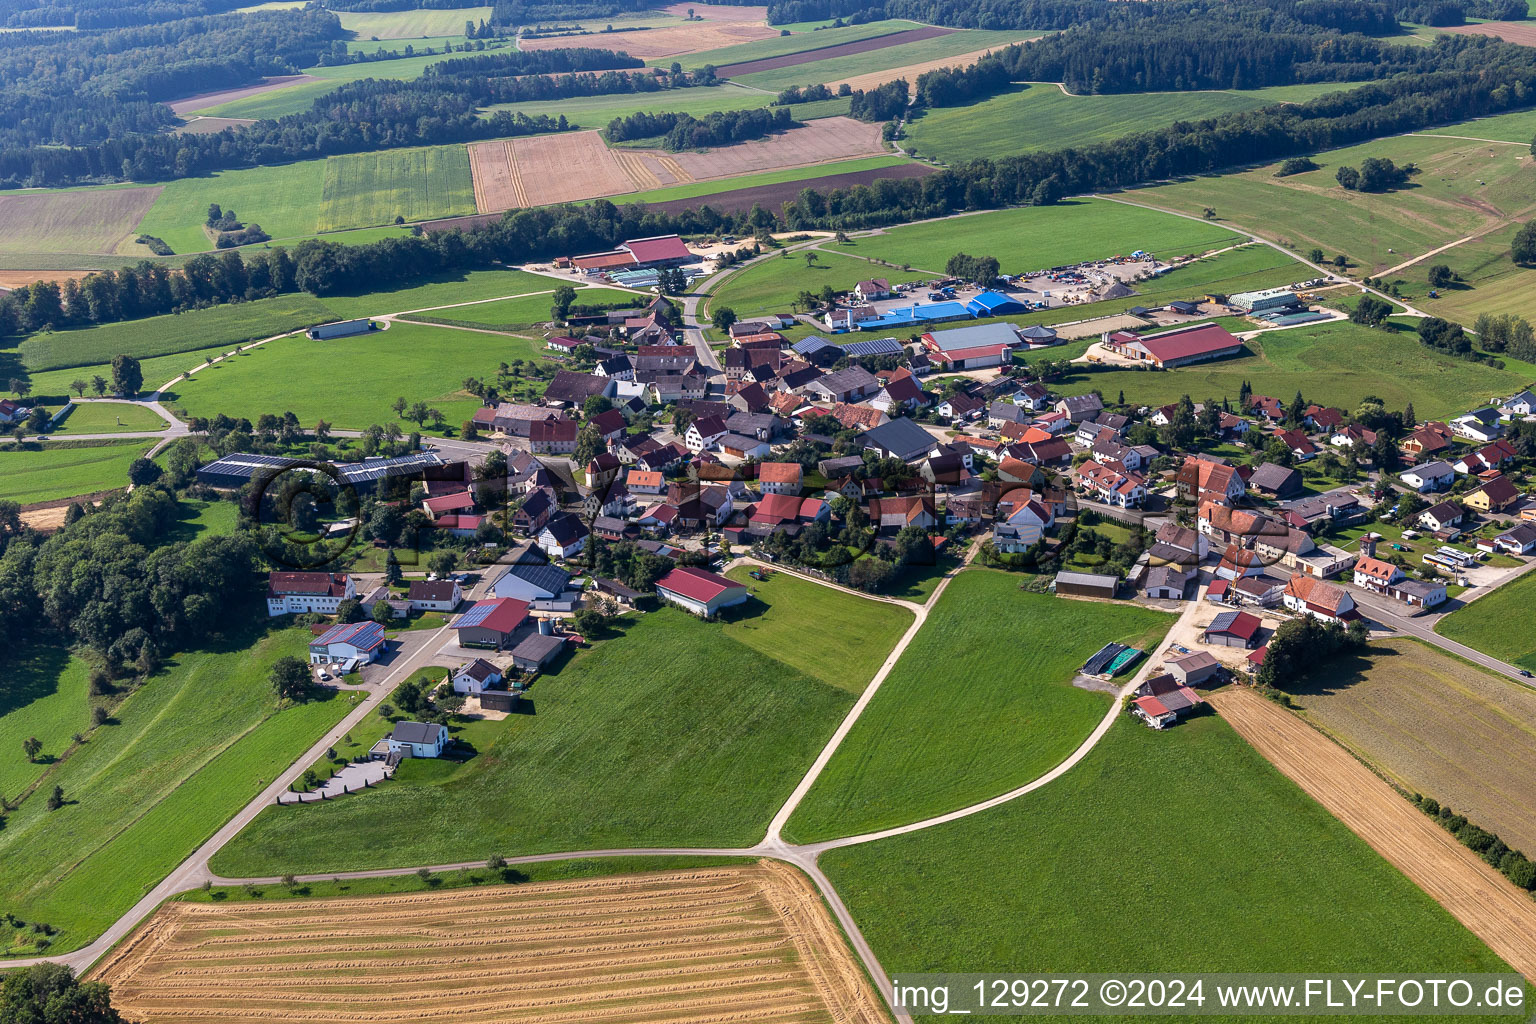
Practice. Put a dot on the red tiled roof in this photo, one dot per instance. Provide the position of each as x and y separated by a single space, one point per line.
502 614
1243 626
660 247
313 583
603 260
779 472
450 502
695 584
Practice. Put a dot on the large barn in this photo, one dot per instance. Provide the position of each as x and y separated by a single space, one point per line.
972 348
1181 346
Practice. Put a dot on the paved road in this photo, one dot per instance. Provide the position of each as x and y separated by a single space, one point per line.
175 428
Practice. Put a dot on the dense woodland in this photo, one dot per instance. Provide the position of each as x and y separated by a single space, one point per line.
684 131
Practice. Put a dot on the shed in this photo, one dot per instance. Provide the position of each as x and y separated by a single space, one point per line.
1194 669
1232 629
536 651
1086 584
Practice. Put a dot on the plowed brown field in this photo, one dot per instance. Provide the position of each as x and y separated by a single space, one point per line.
706 946
661 42
1475 894
816 142
1522 32
875 79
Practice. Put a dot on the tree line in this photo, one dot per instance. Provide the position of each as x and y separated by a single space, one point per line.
441 106
684 131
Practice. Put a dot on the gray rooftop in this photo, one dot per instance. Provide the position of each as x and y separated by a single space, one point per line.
416 732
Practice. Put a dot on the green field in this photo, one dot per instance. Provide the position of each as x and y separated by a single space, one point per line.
180 756
157 371
1051 120
771 286
597 111
698 189
837 68
35 474
973 708
1518 128
108 418
362 189
411 24
45 695
1462 188
1492 282
778 46
228 324
205 519
283 198
507 314
444 290
275 103
413 361
822 632
1498 623
1089 873
1041 236
1335 363
675 733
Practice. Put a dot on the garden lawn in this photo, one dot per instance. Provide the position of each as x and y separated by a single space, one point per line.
412 361
228 324
832 636
44 695
1498 624
363 189
980 702
1041 236
1053 120
283 198
1462 188
1336 363
837 68
771 285
186 752
107 418
1080 876
675 733
34 474
443 290
505 314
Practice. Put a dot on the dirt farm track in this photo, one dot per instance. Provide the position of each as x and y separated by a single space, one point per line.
705 946
1475 894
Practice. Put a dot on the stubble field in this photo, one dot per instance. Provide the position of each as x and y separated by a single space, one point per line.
80 220
737 943
661 42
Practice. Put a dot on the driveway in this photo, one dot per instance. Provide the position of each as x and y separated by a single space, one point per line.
349 780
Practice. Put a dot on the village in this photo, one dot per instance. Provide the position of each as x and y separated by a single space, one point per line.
654 463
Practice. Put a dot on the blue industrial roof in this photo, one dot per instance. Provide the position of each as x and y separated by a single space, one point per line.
874 347
923 313
994 304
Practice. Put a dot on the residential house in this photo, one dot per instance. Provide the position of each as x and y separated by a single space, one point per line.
490 623
1080 407
961 406
564 536
1426 442
699 591
858 417
1480 425
348 644
1429 477
296 592
1327 601
478 675
537 508
416 739
610 425
1446 517
1520 540
617 367
1002 413
13 412
872 290
750 397
669 388
1353 436
434 595
764 426
640 481
901 439
1298 442
515 419
1111 484
1375 574
890 515
1034 397
1201 480
1271 409
1273 480
1022 527
553 437
779 477
1497 494
901 390
1518 406
704 432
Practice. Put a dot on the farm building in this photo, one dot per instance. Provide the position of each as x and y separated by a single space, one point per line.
909 316
351 644
1270 300
637 254
490 623
536 651
971 348
236 470
1194 669
340 329
475 677
1038 336
1182 346
699 591
1163 701
1086 584
1166 582
1319 598
901 439
989 304
544 587
295 592
417 739
1232 629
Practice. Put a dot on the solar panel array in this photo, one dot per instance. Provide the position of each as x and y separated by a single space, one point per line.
475 615
247 466
373 469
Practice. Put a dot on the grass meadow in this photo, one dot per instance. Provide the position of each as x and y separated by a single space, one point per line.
703 189
1462 188
292 99
838 68
771 286
779 46
1498 623
1088 874
1518 128
509 314
179 756
1041 236
367 373
678 732
227 324
412 24
981 701
1337 363
444 290
65 469
107 418
363 189
1052 120
284 199
1436 725
157 370
45 696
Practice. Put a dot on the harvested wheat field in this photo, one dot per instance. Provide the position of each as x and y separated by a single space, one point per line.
742 943
11 279
1474 893
875 79
1522 32
820 141
719 12
85 220
544 169
673 41
200 125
